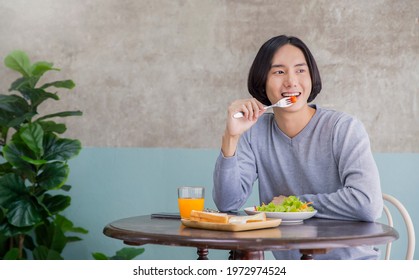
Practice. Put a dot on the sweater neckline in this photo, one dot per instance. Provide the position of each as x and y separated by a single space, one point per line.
305 131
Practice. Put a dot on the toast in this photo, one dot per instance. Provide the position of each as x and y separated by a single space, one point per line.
259 217
223 218
201 216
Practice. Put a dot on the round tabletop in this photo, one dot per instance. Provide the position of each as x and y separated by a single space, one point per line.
312 234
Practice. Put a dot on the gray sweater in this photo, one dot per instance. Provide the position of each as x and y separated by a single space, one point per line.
329 163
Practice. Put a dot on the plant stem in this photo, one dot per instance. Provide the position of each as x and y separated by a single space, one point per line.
21 240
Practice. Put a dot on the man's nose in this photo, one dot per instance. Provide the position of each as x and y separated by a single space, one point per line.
291 80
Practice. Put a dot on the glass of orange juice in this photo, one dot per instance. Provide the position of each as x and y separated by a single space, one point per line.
190 198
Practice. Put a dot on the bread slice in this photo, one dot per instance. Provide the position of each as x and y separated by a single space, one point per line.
259 217
201 216
223 218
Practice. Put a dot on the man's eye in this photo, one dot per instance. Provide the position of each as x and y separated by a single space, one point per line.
301 70
279 72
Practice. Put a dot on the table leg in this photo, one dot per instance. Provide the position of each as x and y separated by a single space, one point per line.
246 255
307 254
202 253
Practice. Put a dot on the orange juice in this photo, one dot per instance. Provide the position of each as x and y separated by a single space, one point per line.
187 204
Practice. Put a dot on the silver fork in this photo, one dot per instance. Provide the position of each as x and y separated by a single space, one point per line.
284 102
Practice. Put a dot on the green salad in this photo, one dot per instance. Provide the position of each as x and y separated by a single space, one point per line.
290 204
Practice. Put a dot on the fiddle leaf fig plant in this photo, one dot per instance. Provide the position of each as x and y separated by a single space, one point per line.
33 165
127 253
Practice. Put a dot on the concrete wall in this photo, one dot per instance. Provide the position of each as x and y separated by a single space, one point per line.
161 73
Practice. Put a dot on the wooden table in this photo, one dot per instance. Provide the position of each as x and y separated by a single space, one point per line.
314 236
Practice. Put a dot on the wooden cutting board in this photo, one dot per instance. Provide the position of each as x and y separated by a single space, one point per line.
270 223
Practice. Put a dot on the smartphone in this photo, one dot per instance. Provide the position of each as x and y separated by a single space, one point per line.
165 215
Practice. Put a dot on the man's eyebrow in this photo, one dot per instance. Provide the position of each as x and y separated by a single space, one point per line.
281 65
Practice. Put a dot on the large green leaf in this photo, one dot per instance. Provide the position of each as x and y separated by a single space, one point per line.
24 84
50 236
36 162
18 61
14 110
60 148
12 254
37 96
5 168
56 203
21 119
73 238
23 213
100 256
53 176
51 126
12 188
40 67
9 230
69 84
3 132
43 253
14 151
13 104
67 226
79 230
61 115
2 216
33 136
127 253
66 188
4 244
28 242
5 118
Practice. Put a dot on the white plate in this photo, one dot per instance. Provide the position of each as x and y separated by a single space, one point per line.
286 217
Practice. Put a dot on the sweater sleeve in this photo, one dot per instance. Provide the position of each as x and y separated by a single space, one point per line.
234 177
360 196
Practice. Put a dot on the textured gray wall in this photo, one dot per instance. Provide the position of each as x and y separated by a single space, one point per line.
161 73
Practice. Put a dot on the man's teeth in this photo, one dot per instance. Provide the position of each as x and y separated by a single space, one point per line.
290 94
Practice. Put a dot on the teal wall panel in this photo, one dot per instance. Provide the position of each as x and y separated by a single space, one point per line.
114 183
